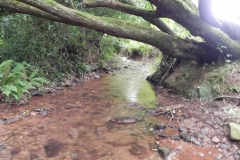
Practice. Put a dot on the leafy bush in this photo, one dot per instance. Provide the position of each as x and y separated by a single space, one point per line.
16 79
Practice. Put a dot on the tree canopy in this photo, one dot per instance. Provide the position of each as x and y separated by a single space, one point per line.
220 39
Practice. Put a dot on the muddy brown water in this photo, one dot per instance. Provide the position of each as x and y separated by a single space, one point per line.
79 129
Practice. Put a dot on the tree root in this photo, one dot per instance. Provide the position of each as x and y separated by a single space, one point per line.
224 97
167 72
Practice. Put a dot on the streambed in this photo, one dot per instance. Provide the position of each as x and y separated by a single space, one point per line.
78 127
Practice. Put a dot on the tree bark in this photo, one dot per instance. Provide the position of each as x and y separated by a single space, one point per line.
180 12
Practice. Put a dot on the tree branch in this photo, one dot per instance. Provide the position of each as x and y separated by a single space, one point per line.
121 7
132 9
160 25
10 7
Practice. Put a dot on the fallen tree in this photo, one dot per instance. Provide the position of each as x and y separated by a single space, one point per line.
182 12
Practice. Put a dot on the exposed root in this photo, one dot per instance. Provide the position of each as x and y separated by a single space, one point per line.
224 97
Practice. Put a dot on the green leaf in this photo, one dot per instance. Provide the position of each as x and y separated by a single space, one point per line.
15 95
29 86
41 80
7 92
19 67
9 88
20 83
33 74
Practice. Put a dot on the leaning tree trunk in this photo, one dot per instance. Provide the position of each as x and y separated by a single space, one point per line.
192 22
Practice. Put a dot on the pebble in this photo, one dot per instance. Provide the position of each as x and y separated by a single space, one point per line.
4 138
196 142
216 126
69 85
37 93
159 126
96 76
215 139
53 127
183 129
218 156
176 137
16 150
185 136
201 154
164 152
163 135
33 155
171 126
238 152
58 88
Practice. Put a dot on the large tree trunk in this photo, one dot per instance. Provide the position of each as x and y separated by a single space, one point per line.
183 12
192 22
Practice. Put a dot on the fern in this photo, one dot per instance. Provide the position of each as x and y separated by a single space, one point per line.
19 67
12 78
5 70
33 74
8 89
15 81
36 81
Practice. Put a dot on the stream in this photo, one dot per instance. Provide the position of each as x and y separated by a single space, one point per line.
77 125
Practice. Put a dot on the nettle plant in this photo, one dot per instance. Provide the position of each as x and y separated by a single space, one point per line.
16 79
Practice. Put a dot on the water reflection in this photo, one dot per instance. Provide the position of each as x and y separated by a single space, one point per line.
130 85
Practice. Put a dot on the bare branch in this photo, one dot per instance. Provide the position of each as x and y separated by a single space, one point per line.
121 7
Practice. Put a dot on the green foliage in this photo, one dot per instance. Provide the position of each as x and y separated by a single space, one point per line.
157 62
16 80
56 49
177 28
235 89
133 47
110 47
106 12
1 41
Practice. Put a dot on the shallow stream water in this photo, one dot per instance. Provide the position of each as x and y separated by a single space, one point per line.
78 126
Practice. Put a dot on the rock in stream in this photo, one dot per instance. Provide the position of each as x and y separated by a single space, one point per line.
123 120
